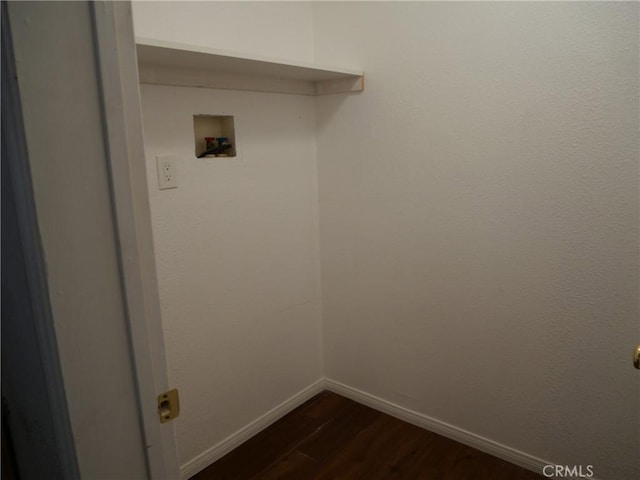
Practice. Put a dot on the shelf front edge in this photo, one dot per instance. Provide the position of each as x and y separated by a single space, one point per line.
181 77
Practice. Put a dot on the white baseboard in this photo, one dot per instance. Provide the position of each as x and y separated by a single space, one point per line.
473 440
220 449
459 435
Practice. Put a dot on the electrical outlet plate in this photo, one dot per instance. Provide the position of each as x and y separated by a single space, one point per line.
167 175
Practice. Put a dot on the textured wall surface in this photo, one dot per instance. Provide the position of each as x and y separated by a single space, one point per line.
479 219
237 256
273 29
237 241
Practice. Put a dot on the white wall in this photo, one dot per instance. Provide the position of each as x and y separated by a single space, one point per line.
237 242
273 29
237 256
479 219
64 133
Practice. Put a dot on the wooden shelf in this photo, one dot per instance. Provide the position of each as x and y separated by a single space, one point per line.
167 63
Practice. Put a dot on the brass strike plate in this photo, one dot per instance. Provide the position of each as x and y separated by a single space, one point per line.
168 405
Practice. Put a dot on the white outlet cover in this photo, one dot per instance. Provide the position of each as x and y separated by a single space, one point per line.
167 173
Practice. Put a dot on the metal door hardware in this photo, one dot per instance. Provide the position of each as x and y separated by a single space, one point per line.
168 405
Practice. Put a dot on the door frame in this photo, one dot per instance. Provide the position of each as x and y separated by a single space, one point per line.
53 436
117 74
117 69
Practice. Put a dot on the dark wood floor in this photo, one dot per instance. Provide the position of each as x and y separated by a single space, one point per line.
331 437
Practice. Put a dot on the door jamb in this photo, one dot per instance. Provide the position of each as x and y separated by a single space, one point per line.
120 96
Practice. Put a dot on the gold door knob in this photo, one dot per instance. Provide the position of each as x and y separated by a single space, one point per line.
636 357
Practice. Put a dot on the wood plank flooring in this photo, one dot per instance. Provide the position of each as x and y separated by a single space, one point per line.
331 437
